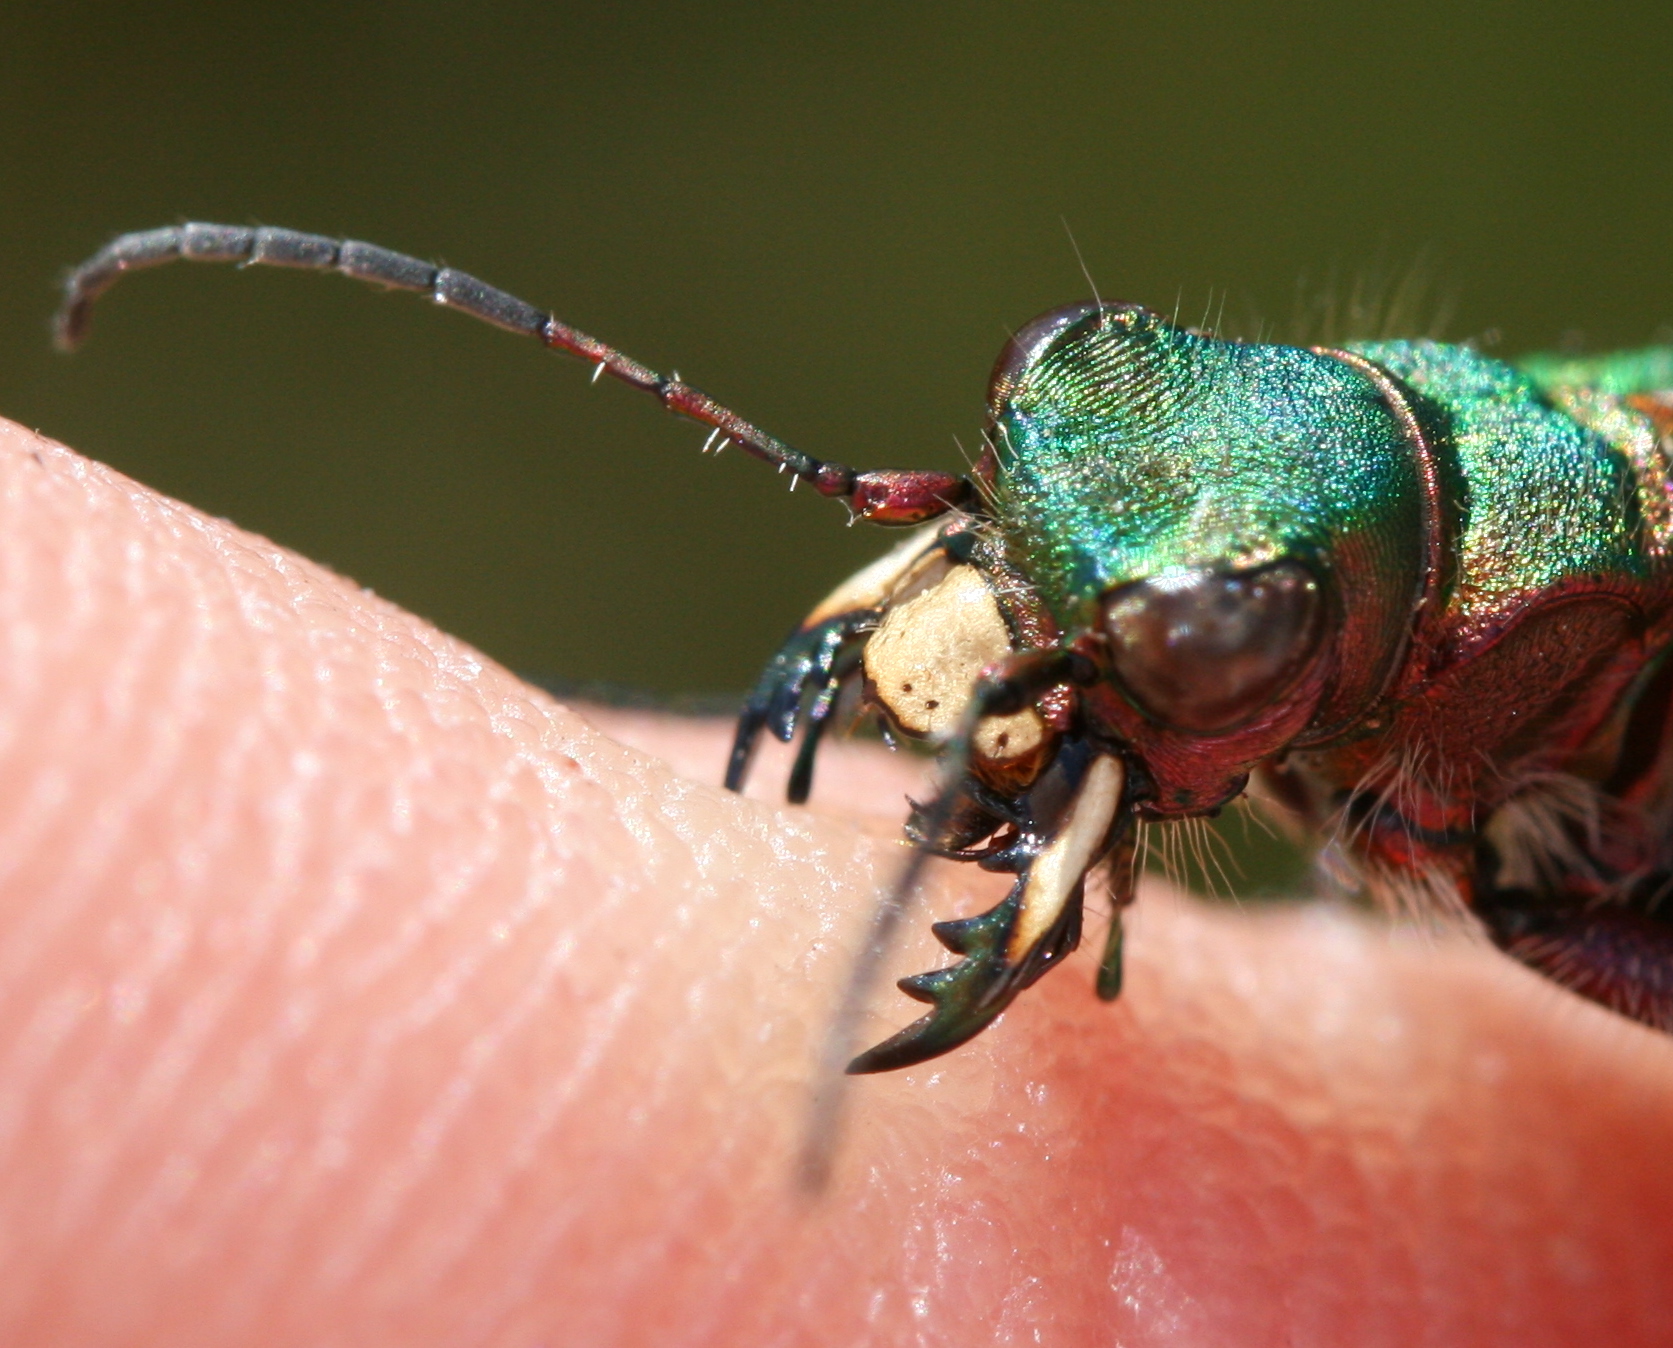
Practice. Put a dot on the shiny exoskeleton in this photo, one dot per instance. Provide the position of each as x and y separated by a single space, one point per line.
1424 596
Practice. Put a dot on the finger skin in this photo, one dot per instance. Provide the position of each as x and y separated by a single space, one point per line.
352 992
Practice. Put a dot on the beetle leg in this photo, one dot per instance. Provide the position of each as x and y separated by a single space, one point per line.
1002 689
1123 875
810 657
883 495
1617 954
1593 917
818 718
1036 925
822 653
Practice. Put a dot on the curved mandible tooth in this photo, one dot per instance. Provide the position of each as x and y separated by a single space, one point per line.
1058 870
1004 689
967 996
977 937
1011 945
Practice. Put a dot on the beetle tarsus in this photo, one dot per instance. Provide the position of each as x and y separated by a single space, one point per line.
819 656
817 720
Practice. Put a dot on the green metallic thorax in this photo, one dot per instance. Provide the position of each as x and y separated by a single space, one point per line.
1166 449
1545 501
1497 537
1132 449
1159 449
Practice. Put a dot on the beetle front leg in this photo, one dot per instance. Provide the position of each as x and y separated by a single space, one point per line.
817 656
818 718
821 654
1072 812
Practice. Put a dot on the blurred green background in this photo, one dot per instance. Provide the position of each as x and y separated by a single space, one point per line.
828 216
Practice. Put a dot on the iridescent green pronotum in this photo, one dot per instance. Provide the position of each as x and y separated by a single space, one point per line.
1425 596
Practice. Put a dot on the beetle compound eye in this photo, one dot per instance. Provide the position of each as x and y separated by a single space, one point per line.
1205 651
1031 342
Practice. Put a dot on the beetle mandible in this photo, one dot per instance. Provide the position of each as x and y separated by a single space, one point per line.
1425 595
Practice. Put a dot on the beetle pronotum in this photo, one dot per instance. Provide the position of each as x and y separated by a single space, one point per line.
1426 595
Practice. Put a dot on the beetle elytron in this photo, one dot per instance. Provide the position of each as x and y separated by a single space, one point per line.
1426 595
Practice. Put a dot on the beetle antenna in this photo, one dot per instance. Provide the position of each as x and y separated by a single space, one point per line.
1008 687
830 1090
885 496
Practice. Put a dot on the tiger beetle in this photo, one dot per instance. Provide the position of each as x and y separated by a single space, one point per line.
1423 597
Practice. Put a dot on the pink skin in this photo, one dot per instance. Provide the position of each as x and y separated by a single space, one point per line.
352 992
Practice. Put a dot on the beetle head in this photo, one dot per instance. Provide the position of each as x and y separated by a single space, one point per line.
1234 530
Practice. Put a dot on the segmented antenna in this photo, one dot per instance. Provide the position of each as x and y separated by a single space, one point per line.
885 496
